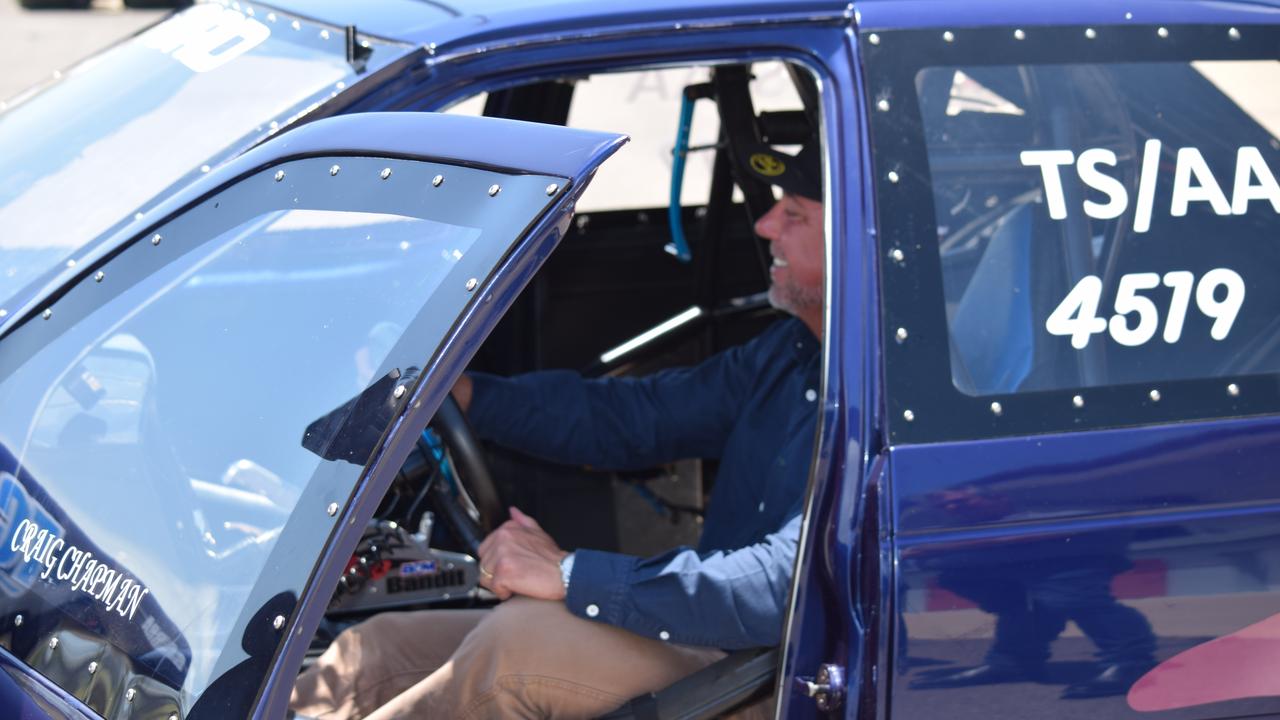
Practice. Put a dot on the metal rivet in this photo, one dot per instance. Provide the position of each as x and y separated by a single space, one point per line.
874 39
552 188
130 694
295 25
155 239
810 395
53 643
17 621
205 168
71 263
897 255
593 610
1162 32
1233 33
437 181
1128 16
334 170
1233 390
173 716
664 635
908 415
901 335
494 190
48 313
332 509
279 175
386 173
399 392
93 667
324 34
948 36
3 312
471 284
278 622
431 48
997 409
1154 395
1091 33
882 105
271 17
893 177
98 276
1019 34
1078 401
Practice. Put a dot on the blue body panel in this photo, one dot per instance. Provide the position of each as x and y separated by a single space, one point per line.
1151 540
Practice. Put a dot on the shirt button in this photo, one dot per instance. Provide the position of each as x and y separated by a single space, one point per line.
810 394
664 635
593 610
761 507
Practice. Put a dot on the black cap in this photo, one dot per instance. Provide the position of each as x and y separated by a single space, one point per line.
799 174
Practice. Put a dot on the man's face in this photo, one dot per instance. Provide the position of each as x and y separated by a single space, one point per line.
794 229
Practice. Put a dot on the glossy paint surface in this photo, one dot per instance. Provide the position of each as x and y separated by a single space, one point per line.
1063 554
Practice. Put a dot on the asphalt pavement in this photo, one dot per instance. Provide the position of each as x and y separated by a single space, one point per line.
35 43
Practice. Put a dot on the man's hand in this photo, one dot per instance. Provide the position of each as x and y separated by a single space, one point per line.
519 558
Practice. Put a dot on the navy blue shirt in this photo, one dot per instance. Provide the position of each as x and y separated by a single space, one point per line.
753 407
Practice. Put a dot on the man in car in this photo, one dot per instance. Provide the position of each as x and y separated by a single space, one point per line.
580 633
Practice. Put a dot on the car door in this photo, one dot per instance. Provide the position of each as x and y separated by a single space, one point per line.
169 519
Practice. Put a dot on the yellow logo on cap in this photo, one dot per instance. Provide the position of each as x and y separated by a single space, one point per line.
767 165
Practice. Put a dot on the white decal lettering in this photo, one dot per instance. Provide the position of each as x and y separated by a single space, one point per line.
1117 198
1191 165
14 542
1076 316
1049 161
1193 182
1249 164
49 554
206 37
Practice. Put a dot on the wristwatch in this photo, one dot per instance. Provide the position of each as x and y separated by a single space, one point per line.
566 569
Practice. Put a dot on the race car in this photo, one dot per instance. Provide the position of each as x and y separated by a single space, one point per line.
246 253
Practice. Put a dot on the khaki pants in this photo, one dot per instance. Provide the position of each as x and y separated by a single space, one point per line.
524 659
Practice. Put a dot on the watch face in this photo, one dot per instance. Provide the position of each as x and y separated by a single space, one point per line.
566 569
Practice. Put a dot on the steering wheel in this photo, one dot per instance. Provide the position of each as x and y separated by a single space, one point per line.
473 474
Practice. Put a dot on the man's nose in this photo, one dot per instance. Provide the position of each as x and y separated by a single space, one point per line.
766 226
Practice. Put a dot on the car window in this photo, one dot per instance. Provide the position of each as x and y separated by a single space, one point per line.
1094 232
645 104
87 152
181 425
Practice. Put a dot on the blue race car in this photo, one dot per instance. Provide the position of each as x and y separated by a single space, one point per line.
245 254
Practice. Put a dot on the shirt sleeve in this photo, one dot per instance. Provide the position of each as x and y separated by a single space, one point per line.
729 600
620 423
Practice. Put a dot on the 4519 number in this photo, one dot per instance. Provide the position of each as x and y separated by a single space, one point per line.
1077 315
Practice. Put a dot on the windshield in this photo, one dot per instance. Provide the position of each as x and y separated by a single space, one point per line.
182 426
83 155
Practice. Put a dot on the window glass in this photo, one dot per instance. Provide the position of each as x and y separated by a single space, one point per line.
166 105
1119 229
176 426
646 105
1090 225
